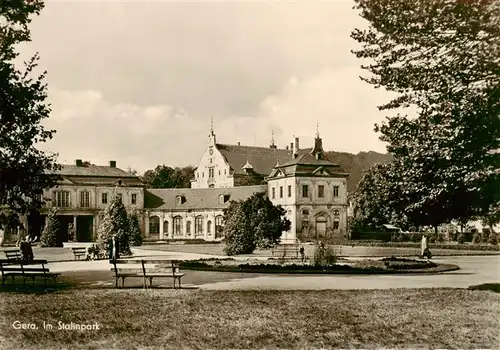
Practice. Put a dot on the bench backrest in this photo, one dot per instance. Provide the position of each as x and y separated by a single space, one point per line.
19 265
146 267
13 254
79 249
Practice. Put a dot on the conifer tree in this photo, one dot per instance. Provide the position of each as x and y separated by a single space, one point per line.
115 222
135 229
50 237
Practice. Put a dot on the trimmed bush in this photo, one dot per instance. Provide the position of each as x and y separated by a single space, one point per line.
461 238
493 239
49 237
476 239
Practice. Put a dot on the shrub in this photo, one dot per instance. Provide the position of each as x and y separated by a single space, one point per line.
493 239
324 256
50 237
476 239
461 238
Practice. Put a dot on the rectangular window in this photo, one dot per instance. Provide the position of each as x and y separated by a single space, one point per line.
134 198
335 225
104 198
305 191
335 191
85 199
274 193
321 191
63 199
289 191
281 191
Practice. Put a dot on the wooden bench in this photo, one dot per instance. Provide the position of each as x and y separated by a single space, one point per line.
286 250
26 269
78 252
13 254
124 268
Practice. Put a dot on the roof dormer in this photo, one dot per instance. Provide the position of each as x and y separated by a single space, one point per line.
180 199
223 198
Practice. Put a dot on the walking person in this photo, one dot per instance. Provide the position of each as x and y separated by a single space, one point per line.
424 250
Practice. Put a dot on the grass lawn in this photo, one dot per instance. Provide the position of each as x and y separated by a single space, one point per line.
399 318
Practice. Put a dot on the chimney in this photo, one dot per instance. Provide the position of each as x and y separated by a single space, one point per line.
287 148
294 148
297 144
112 163
78 162
239 143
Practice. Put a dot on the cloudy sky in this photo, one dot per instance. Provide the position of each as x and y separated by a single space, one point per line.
137 82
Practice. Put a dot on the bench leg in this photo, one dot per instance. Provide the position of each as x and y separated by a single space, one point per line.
116 282
179 280
150 281
123 281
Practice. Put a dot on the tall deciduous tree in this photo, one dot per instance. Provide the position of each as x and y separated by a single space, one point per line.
253 223
166 177
441 58
23 107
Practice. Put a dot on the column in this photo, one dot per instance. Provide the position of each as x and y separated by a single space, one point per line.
95 227
170 218
162 220
205 232
146 224
75 232
184 224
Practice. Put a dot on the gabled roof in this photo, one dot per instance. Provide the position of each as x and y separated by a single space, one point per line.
262 159
96 175
196 198
92 170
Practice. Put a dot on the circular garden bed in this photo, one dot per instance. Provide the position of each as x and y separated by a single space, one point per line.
390 265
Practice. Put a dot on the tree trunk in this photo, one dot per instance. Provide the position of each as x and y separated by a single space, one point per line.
436 230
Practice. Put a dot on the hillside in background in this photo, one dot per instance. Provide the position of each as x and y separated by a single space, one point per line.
356 164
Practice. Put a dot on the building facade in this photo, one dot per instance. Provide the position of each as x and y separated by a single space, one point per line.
83 194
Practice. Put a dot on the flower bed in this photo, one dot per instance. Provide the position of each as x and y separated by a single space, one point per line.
382 266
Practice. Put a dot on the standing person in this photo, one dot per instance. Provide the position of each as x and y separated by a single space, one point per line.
302 255
112 248
423 246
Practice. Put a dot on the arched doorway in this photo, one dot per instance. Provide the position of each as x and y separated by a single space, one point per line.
320 226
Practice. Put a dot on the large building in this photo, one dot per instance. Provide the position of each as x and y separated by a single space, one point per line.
82 195
311 188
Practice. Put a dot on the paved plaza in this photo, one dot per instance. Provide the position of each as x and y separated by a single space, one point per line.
473 270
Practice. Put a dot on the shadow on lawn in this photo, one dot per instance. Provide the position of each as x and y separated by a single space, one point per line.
37 288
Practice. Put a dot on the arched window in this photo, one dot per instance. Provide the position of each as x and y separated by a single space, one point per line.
219 226
198 225
209 227
188 227
165 227
336 213
154 225
178 225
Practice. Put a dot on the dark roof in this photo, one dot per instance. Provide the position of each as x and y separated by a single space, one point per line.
92 170
196 198
96 175
262 159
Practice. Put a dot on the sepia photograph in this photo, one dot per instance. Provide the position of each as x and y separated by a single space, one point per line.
250 174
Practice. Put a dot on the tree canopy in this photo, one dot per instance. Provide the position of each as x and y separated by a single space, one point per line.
441 59
166 177
253 223
23 167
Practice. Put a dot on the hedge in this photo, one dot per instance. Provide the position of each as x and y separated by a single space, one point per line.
417 245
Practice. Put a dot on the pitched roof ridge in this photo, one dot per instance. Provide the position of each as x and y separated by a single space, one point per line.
259 147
